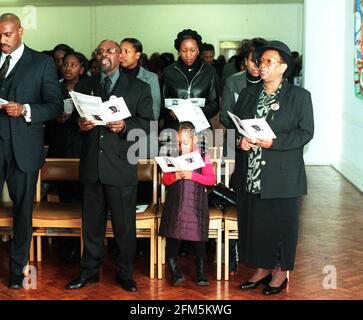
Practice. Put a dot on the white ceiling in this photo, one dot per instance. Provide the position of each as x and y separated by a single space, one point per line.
6 3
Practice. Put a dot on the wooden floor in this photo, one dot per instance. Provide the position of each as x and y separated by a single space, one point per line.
331 234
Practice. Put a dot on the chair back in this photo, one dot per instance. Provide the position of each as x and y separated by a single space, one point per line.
57 169
147 170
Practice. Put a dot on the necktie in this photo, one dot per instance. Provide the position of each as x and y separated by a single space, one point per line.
5 67
107 85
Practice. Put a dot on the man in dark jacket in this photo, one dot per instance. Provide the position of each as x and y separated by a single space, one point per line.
109 179
28 80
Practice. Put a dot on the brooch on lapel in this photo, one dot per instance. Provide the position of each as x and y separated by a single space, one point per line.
274 107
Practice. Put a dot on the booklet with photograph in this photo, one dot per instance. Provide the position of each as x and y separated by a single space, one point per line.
193 114
190 111
191 102
99 112
186 162
253 128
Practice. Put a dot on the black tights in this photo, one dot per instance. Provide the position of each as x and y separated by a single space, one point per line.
173 245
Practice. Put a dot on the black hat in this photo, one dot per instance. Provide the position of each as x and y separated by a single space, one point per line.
283 50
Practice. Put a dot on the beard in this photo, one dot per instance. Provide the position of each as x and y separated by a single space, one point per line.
105 65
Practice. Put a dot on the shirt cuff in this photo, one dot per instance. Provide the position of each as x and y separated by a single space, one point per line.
28 116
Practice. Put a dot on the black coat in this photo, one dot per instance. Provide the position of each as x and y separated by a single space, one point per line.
203 85
282 166
35 83
104 153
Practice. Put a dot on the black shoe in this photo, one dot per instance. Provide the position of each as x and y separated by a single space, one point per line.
273 290
253 285
82 281
16 282
201 276
127 284
177 276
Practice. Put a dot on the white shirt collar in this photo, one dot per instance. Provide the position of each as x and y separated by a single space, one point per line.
15 57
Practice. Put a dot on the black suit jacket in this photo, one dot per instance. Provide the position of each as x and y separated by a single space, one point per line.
283 170
35 83
104 153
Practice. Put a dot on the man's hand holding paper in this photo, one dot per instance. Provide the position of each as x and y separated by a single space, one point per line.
101 113
116 126
85 124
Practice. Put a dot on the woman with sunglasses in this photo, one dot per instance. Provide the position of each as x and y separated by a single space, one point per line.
272 174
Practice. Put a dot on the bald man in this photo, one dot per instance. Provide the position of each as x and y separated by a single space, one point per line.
109 180
28 81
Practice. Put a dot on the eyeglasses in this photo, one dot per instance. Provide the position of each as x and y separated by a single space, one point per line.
267 62
100 52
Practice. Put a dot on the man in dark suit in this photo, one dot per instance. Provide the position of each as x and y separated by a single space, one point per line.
28 80
109 179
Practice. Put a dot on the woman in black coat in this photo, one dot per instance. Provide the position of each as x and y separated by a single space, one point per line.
190 77
272 174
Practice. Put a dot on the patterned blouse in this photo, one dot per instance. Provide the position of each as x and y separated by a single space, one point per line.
254 157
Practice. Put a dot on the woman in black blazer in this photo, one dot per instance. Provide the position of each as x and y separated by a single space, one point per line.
272 174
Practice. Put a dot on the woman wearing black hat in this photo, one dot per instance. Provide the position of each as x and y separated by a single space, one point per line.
190 77
272 171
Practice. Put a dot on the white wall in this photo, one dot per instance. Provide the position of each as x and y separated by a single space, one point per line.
329 76
350 162
323 75
157 25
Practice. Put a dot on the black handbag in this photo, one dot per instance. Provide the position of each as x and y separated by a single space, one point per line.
220 197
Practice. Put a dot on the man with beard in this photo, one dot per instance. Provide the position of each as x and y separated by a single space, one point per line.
109 179
28 80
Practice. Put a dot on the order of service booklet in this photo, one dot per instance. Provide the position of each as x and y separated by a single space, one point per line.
92 108
186 162
189 110
253 128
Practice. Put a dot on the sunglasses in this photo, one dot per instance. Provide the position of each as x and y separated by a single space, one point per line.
100 52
